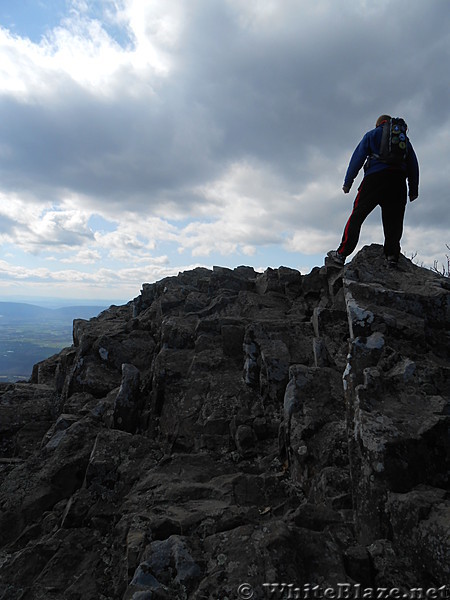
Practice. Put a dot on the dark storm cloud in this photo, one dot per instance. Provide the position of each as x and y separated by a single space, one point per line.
312 83
96 147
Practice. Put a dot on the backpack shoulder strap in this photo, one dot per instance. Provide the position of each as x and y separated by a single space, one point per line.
384 144
385 136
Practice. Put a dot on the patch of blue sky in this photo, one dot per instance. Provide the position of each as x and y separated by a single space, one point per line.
50 259
14 255
98 223
263 257
271 255
275 256
36 18
180 224
31 18
104 11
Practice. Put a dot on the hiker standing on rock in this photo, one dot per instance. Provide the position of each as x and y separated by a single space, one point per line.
389 159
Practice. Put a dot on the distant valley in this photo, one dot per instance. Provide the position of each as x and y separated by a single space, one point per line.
30 333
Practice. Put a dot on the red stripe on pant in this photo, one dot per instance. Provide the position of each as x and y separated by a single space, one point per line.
341 249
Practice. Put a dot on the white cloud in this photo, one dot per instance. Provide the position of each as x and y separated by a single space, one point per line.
86 257
135 238
311 241
240 211
424 243
35 228
126 281
211 128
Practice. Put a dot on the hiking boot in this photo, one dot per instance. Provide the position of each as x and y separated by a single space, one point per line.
392 261
335 257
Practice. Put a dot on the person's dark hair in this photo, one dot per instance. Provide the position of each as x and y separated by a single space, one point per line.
381 119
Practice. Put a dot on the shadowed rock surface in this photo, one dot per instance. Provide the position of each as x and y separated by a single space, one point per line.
228 426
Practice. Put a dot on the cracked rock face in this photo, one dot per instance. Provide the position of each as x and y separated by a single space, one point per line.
229 426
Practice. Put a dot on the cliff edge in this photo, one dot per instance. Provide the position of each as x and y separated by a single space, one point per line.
227 430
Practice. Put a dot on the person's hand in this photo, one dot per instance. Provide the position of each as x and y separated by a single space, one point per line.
412 197
345 189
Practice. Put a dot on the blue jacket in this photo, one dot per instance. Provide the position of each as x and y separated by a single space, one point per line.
369 145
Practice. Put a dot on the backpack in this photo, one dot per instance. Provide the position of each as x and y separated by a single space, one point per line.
394 142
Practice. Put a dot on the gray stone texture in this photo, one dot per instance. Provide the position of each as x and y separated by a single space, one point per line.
229 426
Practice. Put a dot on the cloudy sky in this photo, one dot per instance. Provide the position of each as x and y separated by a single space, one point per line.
140 138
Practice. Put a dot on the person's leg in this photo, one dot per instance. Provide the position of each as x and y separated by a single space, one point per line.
366 200
393 206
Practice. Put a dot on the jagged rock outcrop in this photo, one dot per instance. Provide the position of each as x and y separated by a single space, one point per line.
231 427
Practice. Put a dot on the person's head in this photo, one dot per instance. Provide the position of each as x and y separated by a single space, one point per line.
381 119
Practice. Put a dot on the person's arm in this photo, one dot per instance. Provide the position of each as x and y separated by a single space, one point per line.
412 173
357 160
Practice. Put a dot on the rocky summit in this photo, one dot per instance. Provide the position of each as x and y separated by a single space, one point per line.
233 435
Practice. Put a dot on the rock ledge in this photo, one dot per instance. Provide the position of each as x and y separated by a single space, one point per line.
228 426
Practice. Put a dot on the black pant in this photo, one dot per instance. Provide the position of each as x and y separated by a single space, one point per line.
387 189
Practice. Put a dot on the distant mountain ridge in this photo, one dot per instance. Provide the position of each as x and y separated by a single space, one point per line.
19 311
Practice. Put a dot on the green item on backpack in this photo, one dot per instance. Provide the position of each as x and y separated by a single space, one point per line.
394 142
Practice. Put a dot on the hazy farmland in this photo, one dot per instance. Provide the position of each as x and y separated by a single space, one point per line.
30 333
